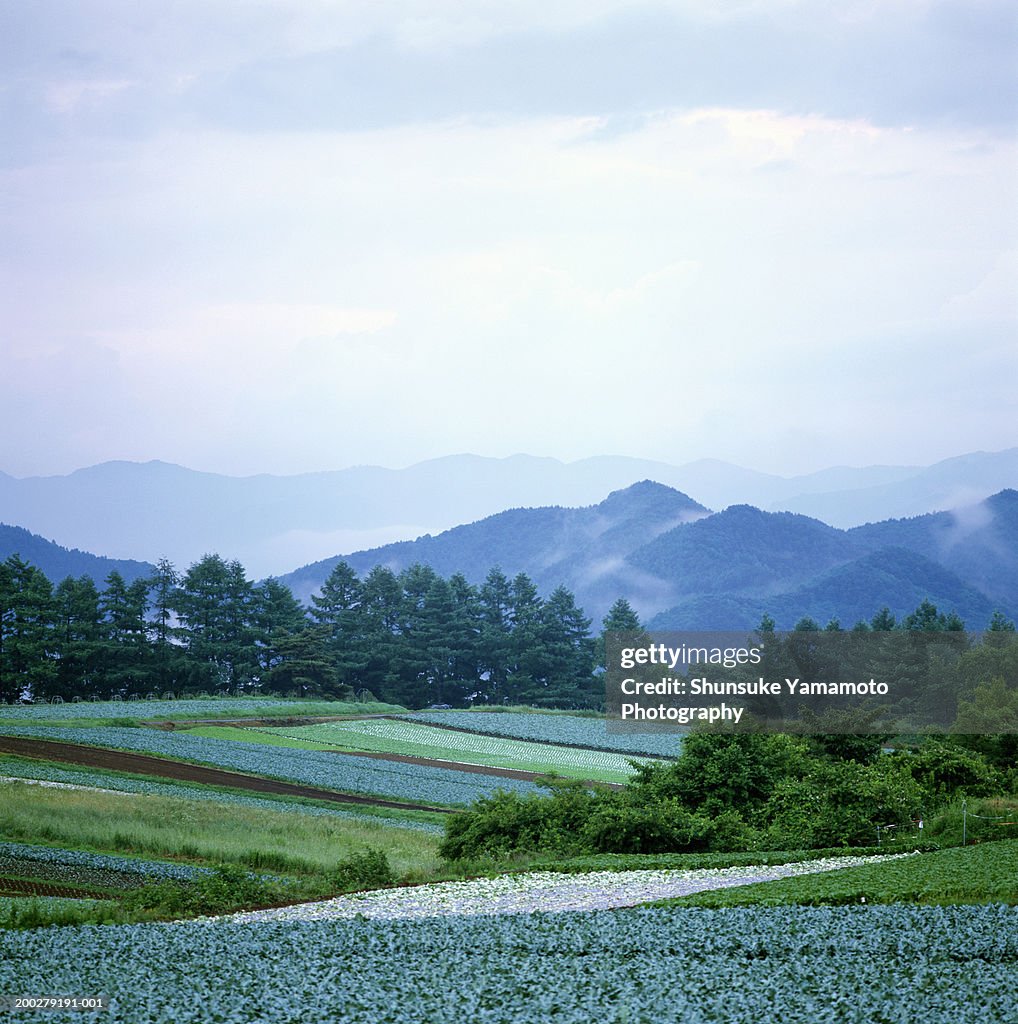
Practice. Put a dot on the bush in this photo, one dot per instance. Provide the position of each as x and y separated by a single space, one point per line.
501 824
367 870
841 804
226 889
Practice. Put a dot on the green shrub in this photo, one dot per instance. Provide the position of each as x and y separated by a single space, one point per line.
367 870
225 889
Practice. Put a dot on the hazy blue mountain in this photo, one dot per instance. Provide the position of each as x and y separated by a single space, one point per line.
661 550
272 523
744 549
57 562
581 547
891 577
978 542
950 484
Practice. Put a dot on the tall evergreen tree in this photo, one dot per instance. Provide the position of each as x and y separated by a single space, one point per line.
125 651
78 639
169 670
26 628
494 633
276 617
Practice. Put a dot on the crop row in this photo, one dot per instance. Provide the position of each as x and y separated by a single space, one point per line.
206 707
407 737
849 965
970 874
570 730
346 773
23 858
97 780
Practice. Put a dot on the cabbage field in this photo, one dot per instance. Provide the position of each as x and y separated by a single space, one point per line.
197 707
346 773
399 736
570 730
23 770
841 965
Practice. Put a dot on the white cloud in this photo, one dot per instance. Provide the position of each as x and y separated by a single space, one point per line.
286 301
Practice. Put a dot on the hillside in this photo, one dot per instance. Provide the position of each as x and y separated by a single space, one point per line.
584 546
890 577
57 562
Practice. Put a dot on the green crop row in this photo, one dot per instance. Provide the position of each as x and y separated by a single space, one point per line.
987 873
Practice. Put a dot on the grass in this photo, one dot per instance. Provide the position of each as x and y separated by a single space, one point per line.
987 873
203 833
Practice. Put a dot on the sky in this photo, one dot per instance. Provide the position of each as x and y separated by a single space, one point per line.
285 236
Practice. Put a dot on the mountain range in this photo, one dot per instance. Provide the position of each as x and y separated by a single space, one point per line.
680 564
683 567
144 511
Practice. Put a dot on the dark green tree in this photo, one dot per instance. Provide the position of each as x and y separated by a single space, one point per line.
338 608
494 634
26 626
78 639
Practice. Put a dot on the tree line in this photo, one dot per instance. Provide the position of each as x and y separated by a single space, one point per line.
411 638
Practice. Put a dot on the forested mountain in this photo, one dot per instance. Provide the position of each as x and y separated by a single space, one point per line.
585 546
894 578
724 570
57 562
949 484
978 542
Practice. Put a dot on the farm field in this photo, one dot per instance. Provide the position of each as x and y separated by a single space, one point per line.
200 832
334 771
418 739
841 965
414 939
987 873
556 728
51 774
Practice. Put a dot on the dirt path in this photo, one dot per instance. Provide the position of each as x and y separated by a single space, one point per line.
144 764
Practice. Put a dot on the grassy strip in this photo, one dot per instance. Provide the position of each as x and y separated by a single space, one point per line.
201 832
987 873
689 861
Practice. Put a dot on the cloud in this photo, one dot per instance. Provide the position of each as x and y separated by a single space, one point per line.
386 232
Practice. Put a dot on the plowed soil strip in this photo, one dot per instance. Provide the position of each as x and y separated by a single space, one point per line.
16 887
143 764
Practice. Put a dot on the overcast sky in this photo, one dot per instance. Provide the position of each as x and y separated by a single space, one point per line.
291 235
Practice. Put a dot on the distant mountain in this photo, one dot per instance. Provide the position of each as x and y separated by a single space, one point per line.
890 577
950 484
272 523
682 567
978 542
584 547
57 562
744 549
